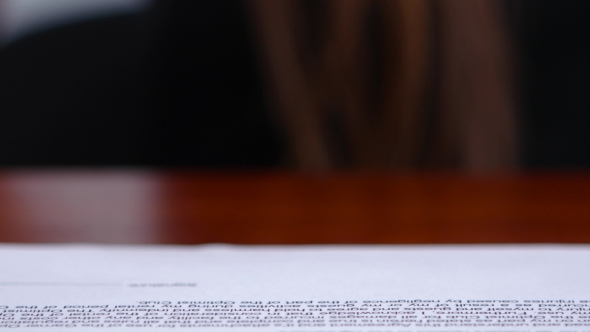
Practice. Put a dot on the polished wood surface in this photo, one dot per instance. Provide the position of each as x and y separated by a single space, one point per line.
291 208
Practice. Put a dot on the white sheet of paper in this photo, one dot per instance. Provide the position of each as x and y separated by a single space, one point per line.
295 289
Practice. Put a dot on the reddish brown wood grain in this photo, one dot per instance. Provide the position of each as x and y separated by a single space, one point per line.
292 208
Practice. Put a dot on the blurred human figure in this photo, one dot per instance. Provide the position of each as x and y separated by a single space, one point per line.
391 83
351 83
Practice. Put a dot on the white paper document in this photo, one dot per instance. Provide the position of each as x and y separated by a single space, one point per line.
295 289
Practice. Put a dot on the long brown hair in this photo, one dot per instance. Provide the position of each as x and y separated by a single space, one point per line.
402 83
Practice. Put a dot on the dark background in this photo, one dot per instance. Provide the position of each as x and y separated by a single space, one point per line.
178 85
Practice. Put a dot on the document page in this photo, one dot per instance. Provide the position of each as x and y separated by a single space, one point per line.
295 288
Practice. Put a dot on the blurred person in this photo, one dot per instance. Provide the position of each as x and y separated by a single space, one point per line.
391 83
349 83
